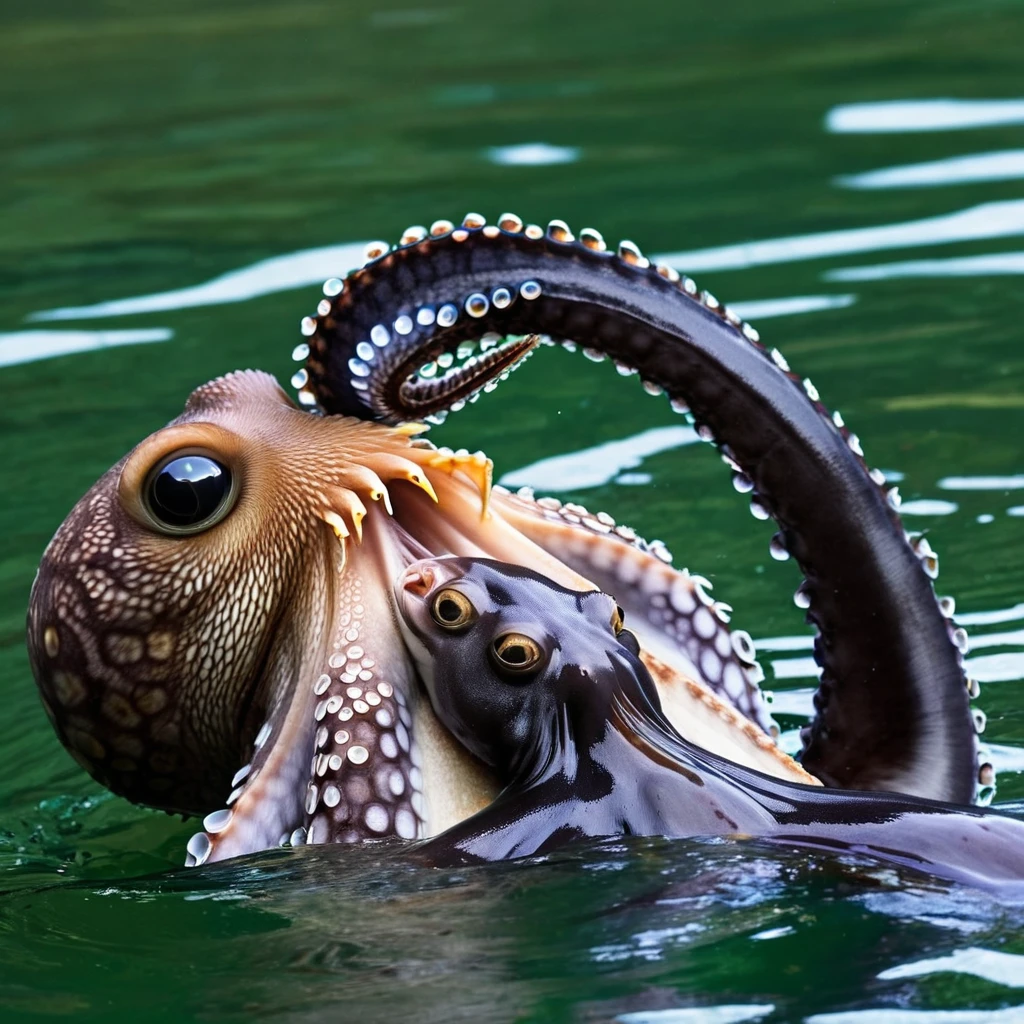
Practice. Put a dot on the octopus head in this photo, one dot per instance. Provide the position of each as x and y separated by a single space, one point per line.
188 612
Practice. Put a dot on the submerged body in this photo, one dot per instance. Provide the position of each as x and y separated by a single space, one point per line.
546 687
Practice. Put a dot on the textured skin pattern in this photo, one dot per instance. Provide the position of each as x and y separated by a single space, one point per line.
253 672
892 710
577 734
188 672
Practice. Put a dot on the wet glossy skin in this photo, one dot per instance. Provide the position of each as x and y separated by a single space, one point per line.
250 668
576 732
892 710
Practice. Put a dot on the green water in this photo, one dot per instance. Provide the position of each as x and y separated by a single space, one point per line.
148 148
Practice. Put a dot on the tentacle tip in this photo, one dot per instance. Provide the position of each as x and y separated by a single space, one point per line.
336 523
381 494
411 428
424 484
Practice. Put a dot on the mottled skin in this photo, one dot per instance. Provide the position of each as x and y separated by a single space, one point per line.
257 663
578 738
253 670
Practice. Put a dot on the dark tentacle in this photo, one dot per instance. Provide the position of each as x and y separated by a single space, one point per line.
892 707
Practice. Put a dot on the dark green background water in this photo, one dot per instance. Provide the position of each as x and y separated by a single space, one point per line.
148 147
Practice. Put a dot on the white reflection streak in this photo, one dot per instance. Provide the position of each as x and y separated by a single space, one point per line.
784 643
730 1014
1013 636
982 483
1006 758
532 154
593 467
995 264
990 220
28 346
922 115
765 309
795 668
1008 1015
997 668
793 702
999 968
279 273
1002 166
928 507
991 618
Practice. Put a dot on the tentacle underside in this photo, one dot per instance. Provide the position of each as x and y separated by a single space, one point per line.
892 708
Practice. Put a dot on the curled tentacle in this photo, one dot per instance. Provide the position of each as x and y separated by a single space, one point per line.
892 708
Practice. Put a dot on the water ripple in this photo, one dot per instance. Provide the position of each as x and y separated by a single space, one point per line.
994 264
1005 165
731 1014
934 115
600 464
28 346
999 968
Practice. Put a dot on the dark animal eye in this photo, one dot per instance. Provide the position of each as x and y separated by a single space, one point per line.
516 652
618 618
189 493
452 609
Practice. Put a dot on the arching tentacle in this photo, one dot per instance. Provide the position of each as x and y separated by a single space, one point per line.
892 709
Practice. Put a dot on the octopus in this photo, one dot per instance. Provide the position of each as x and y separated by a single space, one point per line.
214 629
547 688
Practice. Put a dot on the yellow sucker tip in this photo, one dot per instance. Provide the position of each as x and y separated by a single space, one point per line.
336 523
424 485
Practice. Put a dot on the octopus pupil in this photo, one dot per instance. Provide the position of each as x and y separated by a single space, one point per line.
188 490
449 610
515 654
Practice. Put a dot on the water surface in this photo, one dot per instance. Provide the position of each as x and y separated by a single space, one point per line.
177 181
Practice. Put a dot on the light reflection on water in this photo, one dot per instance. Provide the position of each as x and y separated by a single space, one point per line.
1007 165
673 933
991 964
995 264
28 346
532 154
987 221
930 115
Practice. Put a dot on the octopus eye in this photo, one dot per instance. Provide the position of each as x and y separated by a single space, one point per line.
516 652
452 610
188 493
618 618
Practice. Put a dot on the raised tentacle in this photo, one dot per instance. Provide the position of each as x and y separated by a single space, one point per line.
892 708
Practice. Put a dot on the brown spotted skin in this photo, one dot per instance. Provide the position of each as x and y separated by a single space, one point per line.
254 671
150 651
183 671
